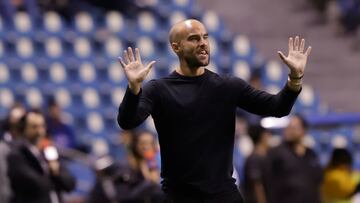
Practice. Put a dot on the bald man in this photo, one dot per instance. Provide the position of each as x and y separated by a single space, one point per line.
194 113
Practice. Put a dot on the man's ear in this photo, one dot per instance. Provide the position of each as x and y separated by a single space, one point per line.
175 47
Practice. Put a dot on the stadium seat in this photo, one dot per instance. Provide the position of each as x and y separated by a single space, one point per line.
53 48
24 48
82 48
115 22
113 48
6 98
34 98
29 73
84 24
91 99
87 73
146 24
53 23
23 24
146 45
4 74
242 70
116 74
95 123
57 73
117 94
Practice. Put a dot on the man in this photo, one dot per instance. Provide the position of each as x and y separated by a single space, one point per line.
34 179
294 171
254 170
194 113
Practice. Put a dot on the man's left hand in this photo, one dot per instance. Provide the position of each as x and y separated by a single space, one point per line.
296 59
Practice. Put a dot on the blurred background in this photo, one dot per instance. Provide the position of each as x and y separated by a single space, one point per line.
60 56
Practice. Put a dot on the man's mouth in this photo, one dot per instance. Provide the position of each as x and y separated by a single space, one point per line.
203 53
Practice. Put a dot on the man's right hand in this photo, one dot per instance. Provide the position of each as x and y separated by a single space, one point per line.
134 69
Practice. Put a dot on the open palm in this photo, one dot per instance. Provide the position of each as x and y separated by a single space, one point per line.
296 59
134 70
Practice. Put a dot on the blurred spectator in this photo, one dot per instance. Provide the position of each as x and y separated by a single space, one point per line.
243 146
340 181
66 8
8 8
350 15
10 131
254 169
294 173
60 132
135 181
10 126
321 6
36 175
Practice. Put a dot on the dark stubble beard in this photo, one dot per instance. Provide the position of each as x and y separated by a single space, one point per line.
194 63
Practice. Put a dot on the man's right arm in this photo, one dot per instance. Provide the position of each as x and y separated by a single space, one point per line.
135 108
137 104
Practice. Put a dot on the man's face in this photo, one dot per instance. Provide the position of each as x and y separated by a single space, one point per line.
194 45
295 131
35 127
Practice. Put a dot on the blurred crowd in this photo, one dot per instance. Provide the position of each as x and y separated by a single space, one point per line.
35 148
345 14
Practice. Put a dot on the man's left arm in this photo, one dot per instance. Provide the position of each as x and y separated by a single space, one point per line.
262 103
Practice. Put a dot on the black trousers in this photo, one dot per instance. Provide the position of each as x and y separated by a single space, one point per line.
234 197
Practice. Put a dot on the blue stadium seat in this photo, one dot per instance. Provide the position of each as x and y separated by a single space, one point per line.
241 69
83 48
147 24
23 24
5 75
53 24
29 73
25 49
53 48
116 23
213 24
84 24
147 48
113 48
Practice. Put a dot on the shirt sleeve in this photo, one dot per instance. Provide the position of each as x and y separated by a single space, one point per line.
260 102
134 109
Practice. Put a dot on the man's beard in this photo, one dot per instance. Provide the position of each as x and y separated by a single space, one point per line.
194 63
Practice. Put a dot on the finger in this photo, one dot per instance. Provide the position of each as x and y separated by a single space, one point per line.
296 44
126 57
150 65
308 51
302 45
282 56
131 54
137 55
121 62
291 44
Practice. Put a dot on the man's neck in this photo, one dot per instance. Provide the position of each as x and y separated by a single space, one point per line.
260 150
190 72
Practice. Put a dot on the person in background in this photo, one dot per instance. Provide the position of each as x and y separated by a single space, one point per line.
60 132
294 173
9 132
135 180
254 169
36 175
340 181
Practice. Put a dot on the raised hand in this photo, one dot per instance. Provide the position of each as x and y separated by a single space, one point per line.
134 70
296 59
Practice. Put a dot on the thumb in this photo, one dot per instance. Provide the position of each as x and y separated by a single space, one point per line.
283 57
150 65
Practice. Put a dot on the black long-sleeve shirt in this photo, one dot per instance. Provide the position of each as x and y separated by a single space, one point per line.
195 121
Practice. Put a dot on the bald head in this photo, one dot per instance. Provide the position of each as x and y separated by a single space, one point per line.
189 41
180 30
